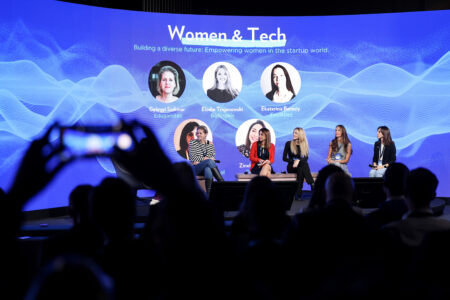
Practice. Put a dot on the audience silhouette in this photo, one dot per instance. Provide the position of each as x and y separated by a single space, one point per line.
394 207
420 187
83 238
184 250
318 198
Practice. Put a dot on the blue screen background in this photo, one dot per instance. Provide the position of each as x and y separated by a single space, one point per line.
73 63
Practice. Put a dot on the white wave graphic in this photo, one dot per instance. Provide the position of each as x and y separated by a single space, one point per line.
414 107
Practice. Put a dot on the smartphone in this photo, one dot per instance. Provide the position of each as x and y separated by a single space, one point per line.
372 166
90 141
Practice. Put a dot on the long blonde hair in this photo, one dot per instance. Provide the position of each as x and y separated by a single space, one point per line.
302 142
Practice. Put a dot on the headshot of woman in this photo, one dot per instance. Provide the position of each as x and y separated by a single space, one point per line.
202 155
262 154
252 137
384 152
168 84
187 135
222 90
296 155
282 89
340 149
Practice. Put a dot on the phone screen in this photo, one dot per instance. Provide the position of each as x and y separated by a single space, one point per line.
91 143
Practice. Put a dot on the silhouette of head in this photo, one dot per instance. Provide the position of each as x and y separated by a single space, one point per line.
113 208
186 175
318 198
394 179
262 208
421 187
73 276
339 188
79 203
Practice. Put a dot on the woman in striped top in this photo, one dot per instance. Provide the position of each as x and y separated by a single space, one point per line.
202 155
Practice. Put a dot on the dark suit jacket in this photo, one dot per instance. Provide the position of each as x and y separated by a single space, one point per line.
288 156
389 155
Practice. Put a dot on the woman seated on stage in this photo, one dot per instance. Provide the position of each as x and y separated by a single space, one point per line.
296 155
201 155
340 149
262 154
384 152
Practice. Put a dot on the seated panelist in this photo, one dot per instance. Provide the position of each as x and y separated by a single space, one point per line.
262 154
296 155
384 152
202 155
340 149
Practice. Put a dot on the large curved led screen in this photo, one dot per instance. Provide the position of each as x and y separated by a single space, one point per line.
78 64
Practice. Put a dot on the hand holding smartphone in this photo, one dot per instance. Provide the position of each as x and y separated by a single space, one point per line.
91 141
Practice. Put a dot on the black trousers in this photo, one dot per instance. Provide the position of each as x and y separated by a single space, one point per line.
303 172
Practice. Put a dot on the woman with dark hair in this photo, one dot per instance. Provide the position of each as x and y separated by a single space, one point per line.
168 84
262 154
296 155
187 135
340 149
282 89
222 91
384 152
252 137
202 155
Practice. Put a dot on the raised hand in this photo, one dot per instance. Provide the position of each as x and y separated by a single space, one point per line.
35 172
147 162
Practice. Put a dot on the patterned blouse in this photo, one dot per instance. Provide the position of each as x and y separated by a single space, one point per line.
197 150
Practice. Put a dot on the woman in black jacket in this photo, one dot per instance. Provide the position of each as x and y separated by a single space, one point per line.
296 155
384 152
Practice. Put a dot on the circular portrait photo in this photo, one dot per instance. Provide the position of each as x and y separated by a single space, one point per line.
280 82
166 81
248 133
187 131
222 82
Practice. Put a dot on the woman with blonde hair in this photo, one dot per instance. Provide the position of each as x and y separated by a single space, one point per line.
222 91
296 155
262 154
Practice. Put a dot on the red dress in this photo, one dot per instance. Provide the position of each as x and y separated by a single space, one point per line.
254 158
